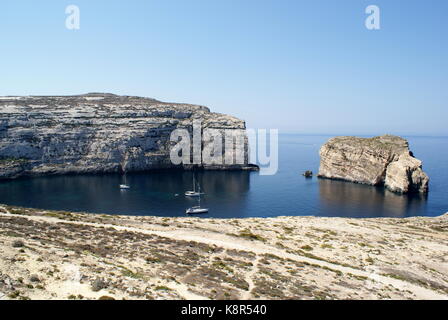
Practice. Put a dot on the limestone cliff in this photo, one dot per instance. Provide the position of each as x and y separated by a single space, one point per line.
384 160
96 132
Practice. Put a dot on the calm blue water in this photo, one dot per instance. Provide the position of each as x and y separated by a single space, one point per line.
241 194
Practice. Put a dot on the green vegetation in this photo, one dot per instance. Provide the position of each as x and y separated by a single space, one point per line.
60 215
14 294
163 288
246 233
4 161
152 260
131 274
221 265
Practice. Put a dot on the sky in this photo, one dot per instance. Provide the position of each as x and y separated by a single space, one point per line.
306 66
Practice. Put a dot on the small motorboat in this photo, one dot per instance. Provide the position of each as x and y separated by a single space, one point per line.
196 210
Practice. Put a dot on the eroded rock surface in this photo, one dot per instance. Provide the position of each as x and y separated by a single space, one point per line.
98 133
192 258
384 160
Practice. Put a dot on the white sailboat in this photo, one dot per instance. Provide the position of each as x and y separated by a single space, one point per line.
193 193
125 185
197 209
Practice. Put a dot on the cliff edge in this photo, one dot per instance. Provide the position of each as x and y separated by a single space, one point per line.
384 160
99 132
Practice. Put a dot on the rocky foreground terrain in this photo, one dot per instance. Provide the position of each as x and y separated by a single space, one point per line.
101 132
384 160
63 255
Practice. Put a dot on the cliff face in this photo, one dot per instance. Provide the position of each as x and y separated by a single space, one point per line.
384 160
98 133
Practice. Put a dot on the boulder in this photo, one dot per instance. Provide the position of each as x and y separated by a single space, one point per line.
308 174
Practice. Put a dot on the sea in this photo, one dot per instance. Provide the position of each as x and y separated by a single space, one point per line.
241 194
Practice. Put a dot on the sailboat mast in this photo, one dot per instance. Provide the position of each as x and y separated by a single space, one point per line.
194 183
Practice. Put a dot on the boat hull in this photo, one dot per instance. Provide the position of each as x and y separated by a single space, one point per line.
196 211
192 194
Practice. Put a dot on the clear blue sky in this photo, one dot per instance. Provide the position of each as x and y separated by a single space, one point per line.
305 66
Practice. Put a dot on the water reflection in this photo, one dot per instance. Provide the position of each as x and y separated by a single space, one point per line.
229 194
151 193
347 199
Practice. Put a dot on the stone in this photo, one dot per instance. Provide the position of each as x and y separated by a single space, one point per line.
99 284
379 161
18 244
308 174
100 132
406 175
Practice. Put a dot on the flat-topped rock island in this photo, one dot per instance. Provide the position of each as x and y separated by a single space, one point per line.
384 160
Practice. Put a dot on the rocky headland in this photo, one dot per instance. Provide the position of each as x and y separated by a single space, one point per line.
99 132
384 160
64 255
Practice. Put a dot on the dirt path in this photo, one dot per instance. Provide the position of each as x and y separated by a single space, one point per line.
258 248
